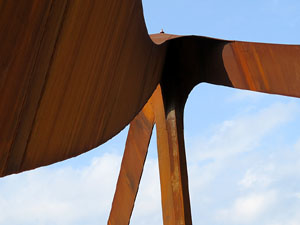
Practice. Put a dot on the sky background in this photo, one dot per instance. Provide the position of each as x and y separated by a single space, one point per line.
243 148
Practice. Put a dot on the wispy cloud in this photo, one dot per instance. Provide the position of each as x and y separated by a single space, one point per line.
247 209
255 178
60 196
242 95
232 181
242 134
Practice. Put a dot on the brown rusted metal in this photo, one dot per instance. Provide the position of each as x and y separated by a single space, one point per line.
269 68
190 61
132 166
172 160
69 70
72 75
171 157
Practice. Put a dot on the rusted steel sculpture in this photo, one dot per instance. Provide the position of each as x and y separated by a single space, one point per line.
75 73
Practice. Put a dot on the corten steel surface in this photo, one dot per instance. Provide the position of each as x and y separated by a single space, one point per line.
132 166
69 70
171 157
73 73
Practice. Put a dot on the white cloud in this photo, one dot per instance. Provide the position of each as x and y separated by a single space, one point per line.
297 146
66 195
261 176
230 163
223 184
243 133
147 209
60 196
247 209
242 95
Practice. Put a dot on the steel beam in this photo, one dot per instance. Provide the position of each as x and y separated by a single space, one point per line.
132 166
172 161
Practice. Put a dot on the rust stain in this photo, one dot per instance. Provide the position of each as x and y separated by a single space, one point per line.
74 73
68 76
172 162
260 67
78 73
241 58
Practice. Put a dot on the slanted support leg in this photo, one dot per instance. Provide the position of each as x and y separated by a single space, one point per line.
167 113
172 159
135 153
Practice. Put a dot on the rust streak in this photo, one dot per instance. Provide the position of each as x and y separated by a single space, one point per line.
243 65
172 162
260 67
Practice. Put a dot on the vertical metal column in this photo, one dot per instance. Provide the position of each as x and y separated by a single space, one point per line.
172 161
171 158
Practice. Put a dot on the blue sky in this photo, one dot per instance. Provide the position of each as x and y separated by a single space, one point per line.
243 148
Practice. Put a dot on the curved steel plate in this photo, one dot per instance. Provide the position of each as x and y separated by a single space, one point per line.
74 73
